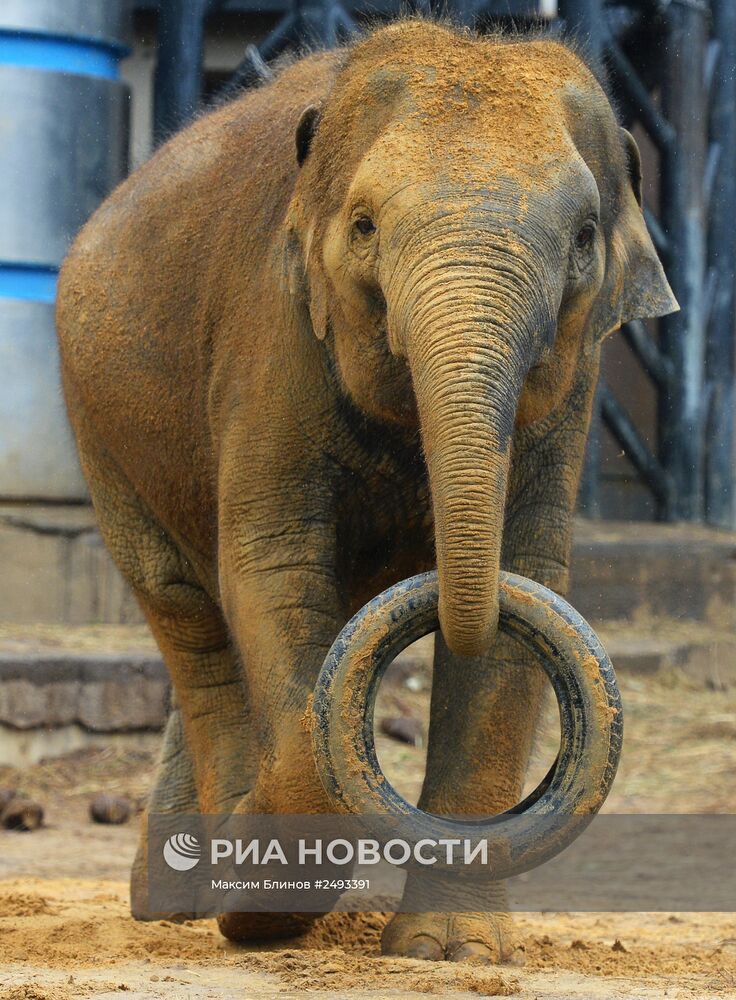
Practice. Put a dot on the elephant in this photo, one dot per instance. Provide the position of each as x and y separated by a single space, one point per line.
341 329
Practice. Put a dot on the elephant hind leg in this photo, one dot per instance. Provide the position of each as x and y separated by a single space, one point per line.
174 791
210 757
190 631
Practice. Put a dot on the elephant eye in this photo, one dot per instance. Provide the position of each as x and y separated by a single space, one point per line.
365 226
585 236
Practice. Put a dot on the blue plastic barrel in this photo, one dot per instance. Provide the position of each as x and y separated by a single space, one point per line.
64 114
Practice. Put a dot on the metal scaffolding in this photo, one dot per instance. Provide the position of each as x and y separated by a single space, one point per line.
672 67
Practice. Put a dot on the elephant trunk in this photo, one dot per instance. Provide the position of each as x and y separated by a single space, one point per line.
468 367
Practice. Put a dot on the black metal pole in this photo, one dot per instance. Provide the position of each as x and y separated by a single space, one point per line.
585 21
625 433
719 485
684 103
178 80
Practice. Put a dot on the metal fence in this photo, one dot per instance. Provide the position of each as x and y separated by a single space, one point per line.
672 67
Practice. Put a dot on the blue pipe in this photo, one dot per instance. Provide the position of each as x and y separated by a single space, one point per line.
52 54
57 54
31 282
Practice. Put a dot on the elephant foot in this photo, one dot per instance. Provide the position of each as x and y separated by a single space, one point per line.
139 888
480 938
264 926
139 909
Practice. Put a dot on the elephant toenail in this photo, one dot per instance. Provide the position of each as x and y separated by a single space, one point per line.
426 948
474 952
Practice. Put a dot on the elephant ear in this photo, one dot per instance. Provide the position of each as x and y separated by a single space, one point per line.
635 286
307 279
305 131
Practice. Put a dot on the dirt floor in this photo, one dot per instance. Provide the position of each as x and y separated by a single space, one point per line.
65 930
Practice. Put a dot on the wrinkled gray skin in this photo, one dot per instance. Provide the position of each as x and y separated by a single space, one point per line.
292 382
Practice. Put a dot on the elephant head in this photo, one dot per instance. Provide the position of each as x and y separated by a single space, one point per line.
468 227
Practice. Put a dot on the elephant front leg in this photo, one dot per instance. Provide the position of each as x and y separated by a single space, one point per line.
483 715
486 709
283 608
284 624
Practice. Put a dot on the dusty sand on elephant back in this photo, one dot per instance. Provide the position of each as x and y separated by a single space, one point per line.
65 931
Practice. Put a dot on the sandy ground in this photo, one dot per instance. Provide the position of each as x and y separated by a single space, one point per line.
65 930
